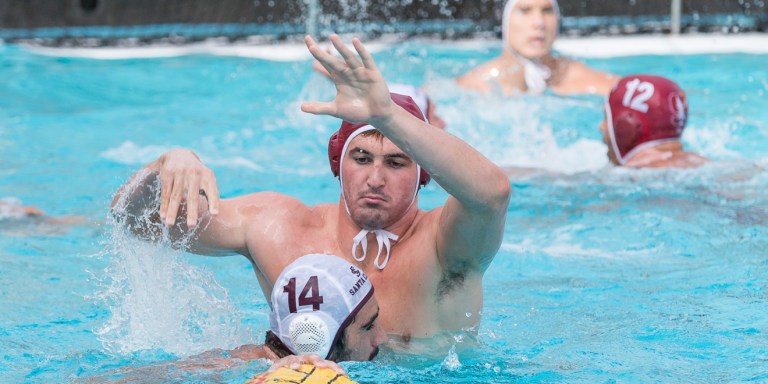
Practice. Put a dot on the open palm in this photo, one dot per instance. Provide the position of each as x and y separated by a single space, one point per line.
361 93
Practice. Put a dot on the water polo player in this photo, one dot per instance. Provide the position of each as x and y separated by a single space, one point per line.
526 63
427 266
645 116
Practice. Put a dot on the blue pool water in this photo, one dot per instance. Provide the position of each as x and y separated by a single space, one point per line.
604 275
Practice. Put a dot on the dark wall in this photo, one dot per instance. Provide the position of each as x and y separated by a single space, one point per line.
658 7
67 13
411 16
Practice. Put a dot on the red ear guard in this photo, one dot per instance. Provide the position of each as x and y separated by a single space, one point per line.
628 130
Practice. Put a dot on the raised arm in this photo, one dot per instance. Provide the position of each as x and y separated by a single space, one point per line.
471 224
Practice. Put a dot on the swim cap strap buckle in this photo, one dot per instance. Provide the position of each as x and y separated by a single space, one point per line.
383 238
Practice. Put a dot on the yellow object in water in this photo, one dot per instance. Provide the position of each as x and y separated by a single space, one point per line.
306 374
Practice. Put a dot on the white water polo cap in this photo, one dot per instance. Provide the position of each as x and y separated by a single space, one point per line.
535 73
314 299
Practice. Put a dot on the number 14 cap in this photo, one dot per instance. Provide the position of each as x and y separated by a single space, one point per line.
642 111
314 299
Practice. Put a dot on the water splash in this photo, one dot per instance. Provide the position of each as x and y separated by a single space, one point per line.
451 362
157 300
11 208
518 131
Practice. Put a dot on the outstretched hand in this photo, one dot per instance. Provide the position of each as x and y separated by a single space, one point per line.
361 93
317 67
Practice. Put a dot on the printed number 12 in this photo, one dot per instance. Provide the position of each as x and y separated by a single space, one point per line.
637 101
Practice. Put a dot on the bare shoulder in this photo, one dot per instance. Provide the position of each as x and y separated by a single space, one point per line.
267 204
477 78
577 77
429 221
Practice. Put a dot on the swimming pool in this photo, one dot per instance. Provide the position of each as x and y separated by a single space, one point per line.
604 275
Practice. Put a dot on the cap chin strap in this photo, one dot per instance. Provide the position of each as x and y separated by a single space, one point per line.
382 239
536 75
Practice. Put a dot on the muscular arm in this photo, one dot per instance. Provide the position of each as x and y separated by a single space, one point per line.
472 222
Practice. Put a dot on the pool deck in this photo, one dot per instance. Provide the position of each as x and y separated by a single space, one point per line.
756 43
597 47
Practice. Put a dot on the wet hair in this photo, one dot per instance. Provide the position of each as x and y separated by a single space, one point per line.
276 345
339 350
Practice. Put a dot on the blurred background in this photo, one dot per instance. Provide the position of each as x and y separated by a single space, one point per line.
136 22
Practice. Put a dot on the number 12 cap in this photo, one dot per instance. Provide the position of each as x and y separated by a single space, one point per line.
314 299
642 111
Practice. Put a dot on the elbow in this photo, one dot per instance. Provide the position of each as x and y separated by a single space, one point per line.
493 194
498 192
502 193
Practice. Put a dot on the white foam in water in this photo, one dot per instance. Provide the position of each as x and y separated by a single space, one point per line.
277 52
521 136
11 208
603 46
158 301
452 362
129 153
713 142
563 246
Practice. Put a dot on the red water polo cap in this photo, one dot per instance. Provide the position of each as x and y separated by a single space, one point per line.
340 137
642 111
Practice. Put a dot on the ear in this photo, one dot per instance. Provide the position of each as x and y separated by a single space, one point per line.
334 152
627 131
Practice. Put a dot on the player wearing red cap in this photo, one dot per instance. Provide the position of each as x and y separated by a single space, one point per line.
644 118
426 266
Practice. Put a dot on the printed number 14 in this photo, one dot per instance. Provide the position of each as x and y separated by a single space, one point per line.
304 298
